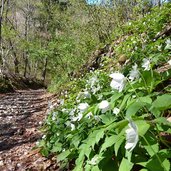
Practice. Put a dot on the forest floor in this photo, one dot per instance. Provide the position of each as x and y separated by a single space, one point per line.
21 116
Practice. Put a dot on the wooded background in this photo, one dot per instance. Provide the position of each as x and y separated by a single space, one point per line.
49 39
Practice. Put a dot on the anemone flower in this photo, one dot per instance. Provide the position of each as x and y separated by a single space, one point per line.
131 136
104 106
118 81
83 107
146 64
134 74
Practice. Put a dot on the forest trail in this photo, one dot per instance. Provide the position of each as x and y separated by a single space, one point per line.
21 116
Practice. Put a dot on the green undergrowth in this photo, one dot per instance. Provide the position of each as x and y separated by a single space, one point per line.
118 118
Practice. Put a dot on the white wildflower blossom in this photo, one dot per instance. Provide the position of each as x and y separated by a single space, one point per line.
118 81
97 118
72 127
134 74
44 136
83 107
86 94
159 47
71 113
89 115
104 106
94 160
146 64
77 118
169 62
131 136
116 110
168 44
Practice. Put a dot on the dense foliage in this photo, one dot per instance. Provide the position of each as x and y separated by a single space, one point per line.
118 117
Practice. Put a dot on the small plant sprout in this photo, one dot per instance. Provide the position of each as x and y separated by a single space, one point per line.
131 136
134 73
146 64
104 106
118 81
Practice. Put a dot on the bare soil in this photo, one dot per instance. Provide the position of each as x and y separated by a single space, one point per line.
21 116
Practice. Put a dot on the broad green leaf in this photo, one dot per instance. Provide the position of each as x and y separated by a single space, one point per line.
118 144
115 97
57 147
145 99
125 165
109 141
63 155
133 108
162 102
88 167
152 147
85 149
99 135
143 127
164 166
124 101
162 120
95 168
107 118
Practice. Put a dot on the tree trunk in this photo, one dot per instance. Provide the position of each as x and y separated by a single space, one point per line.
44 69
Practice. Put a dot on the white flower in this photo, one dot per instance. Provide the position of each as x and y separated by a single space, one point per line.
97 118
83 107
159 47
134 74
44 136
146 64
169 62
131 136
71 113
89 115
168 44
72 127
86 94
94 160
116 110
118 81
104 106
77 118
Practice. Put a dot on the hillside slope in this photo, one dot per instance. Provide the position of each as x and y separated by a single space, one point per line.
117 116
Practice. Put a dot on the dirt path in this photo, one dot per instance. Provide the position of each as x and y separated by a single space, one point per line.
21 115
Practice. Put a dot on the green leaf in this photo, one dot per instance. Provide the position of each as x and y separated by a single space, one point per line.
143 170
152 147
125 165
162 102
118 144
143 127
95 168
99 135
107 118
109 141
124 101
115 97
63 155
57 147
133 108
